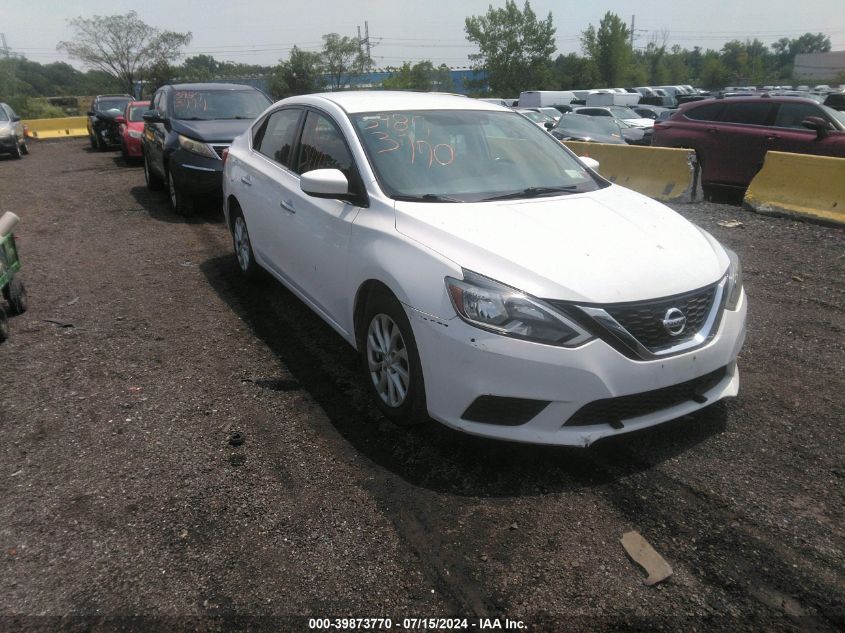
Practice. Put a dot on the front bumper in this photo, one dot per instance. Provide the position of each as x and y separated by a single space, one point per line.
133 146
461 363
197 175
7 143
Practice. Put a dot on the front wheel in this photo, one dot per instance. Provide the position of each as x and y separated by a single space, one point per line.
4 326
390 361
24 148
153 180
182 204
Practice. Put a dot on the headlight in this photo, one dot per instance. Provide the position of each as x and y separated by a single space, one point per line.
136 134
5 132
494 307
733 289
196 147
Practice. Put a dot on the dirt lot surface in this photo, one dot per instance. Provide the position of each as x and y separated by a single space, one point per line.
126 508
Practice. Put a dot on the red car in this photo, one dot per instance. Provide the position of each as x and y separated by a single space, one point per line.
731 135
132 129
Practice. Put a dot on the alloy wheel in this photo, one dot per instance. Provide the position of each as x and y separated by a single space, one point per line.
242 243
387 360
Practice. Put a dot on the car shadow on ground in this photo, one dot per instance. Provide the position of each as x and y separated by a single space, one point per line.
157 205
431 455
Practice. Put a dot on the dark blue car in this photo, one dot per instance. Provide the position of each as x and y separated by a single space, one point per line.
186 130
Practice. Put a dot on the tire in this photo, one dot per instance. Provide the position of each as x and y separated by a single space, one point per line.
153 180
24 148
123 152
101 144
15 293
93 141
243 246
181 203
390 361
16 152
4 326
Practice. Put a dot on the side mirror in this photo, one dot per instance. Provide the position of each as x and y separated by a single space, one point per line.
119 119
90 113
15 119
324 183
592 163
151 116
818 124
550 125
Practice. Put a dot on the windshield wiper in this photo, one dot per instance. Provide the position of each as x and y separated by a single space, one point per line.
426 197
533 192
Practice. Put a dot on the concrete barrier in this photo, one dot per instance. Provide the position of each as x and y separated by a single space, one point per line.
57 128
662 173
799 185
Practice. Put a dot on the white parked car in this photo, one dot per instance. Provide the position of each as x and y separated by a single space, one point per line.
488 277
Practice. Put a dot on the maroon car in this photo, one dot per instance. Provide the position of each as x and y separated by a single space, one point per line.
731 136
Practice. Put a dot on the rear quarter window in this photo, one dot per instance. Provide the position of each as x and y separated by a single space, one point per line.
709 112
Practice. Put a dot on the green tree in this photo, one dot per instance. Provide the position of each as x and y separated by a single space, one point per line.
514 47
714 73
573 71
420 76
300 74
122 45
610 48
343 58
199 68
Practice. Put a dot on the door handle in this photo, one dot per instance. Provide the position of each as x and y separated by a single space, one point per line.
712 130
773 137
287 205
246 180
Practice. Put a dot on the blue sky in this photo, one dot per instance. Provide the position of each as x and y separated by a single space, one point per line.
262 31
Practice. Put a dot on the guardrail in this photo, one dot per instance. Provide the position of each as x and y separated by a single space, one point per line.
799 185
663 173
57 128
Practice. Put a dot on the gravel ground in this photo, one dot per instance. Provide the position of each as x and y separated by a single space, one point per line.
143 350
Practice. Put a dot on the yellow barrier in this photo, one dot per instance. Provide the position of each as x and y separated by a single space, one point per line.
662 173
58 128
799 184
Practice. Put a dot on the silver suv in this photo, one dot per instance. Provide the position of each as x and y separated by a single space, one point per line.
12 138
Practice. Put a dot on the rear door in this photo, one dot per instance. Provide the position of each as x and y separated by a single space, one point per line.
265 179
739 142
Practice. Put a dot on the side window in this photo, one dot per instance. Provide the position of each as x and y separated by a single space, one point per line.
747 113
709 112
322 146
162 104
791 114
10 112
156 103
276 137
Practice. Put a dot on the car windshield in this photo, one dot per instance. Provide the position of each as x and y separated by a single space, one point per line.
467 156
207 105
538 117
136 113
623 113
836 115
3 115
589 124
105 105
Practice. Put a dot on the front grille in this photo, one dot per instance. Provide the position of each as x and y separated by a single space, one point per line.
503 411
644 320
218 149
613 410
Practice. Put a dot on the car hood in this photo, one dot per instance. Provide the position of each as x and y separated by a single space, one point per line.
220 130
595 138
640 122
609 246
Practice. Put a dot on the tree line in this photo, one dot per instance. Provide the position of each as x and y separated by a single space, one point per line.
515 53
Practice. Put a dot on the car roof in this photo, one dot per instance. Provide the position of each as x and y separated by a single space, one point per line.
748 99
353 101
210 86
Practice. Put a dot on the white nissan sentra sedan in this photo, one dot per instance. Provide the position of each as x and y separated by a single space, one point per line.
488 277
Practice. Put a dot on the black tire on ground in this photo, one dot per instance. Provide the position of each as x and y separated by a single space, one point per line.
24 148
16 153
381 365
243 246
93 141
101 144
153 180
4 326
181 203
15 293
123 152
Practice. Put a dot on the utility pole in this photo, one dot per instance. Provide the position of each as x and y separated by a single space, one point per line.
367 37
4 49
633 22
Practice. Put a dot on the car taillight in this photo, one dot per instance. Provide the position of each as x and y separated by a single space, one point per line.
224 156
